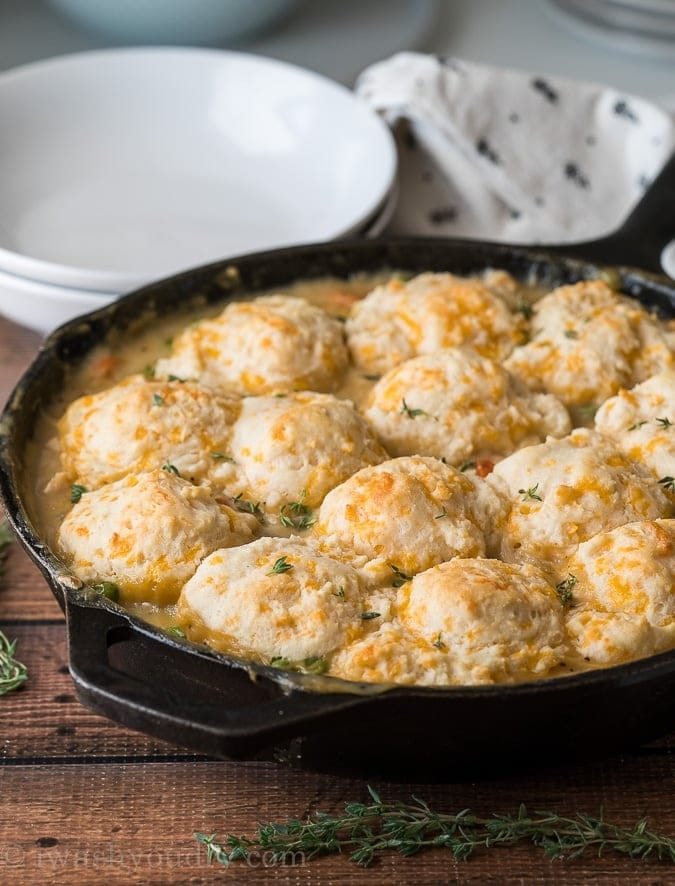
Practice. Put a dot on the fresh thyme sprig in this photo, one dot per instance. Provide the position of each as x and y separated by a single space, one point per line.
367 830
12 672
248 507
296 515
280 566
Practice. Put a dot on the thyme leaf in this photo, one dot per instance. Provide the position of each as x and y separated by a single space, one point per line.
171 469
314 665
368 616
637 425
366 831
158 400
523 308
664 422
76 492
565 587
249 507
668 483
411 413
530 494
400 577
296 515
107 589
467 465
220 456
443 513
438 642
339 593
280 566
571 333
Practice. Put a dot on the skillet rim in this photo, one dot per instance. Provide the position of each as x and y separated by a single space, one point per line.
96 325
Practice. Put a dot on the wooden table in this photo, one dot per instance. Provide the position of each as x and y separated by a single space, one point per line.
84 801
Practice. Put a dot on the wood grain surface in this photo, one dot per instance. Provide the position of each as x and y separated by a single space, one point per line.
85 801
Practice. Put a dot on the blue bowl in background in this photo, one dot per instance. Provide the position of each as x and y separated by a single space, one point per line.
183 22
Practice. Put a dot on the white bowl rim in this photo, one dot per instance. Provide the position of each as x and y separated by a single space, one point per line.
46 289
115 282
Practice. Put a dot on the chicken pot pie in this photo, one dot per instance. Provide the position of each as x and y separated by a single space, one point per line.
384 483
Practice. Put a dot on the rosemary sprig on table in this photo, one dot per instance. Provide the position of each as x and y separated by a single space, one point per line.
12 672
366 830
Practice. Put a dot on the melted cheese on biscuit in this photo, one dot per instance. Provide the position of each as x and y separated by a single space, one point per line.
588 342
138 425
272 343
624 592
148 533
460 406
399 320
407 514
642 422
467 621
564 492
273 598
296 448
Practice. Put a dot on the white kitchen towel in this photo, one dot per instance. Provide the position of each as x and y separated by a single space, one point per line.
510 156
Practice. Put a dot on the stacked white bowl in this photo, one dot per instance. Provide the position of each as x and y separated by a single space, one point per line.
123 166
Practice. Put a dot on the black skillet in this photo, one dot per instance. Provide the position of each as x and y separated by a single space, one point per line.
148 680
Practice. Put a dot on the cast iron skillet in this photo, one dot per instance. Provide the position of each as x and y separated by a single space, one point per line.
136 674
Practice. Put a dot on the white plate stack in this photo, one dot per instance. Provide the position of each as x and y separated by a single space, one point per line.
643 26
124 166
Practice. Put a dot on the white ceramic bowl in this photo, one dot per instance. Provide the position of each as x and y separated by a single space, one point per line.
125 165
185 22
43 306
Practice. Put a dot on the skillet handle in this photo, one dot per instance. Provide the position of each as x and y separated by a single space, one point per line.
643 236
180 694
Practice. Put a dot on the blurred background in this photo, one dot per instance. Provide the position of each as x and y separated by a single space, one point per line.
629 44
